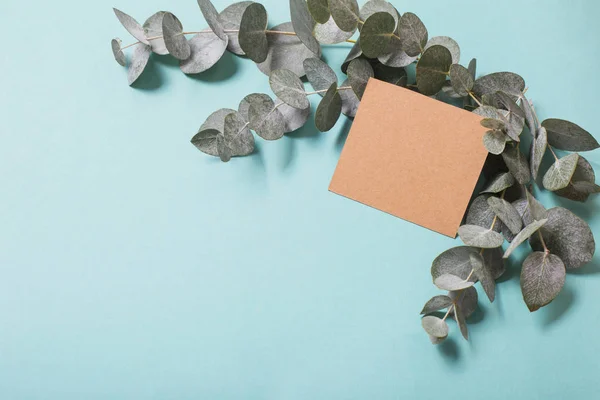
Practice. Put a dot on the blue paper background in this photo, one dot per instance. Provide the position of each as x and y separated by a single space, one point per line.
132 266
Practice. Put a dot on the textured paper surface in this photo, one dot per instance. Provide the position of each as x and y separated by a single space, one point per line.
411 156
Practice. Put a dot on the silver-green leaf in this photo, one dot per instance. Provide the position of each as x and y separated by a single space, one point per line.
395 56
225 152
118 52
460 318
265 118
455 261
435 326
359 73
523 236
289 88
237 135
414 35
345 13
132 26
303 24
176 43
329 109
319 74
139 60
206 50
212 18
374 6
466 300
330 33
252 35
461 79
542 278
153 30
567 236
376 34
495 141
499 183
448 43
231 18
432 68
206 141
538 149
319 9
583 182
507 213
566 135
485 274
350 101
478 236
451 282
560 173
436 303
506 82
517 164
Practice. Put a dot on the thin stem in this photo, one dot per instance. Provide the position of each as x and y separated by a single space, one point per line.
475 98
553 153
543 242
130 45
281 33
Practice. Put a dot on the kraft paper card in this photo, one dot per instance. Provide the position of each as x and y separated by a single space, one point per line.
411 156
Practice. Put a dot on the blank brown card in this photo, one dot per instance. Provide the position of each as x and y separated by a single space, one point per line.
411 156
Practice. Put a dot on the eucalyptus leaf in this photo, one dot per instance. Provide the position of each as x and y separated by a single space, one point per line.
345 13
289 88
560 173
492 260
244 106
355 52
480 213
329 109
538 149
252 34
265 118
131 25
434 326
319 74
485 275
529 116
432 68
514 117
507 213
225 152
117 52
499 183
237 135
507 82
293 118
567 236
530 209
448 43
473 68
582 183
376 34
461 79
395 76
359 73
517 164
153 31
350 102
206 50
176 43
477 236
139 60
231 18
206 138
303 24
542 278
374 6
212 18
495 141
413 35
523 236
436 303
566 135
460 318
492 123
206 141
319 9
330 33
451 282
466 300
285 52
455 261
395 56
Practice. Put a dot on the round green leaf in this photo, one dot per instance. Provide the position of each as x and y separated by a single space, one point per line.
455 261
319 74
237 135
413 35
231 18
542 278
154 33
435 326
285 52
215 124
477 236
289 88
448 43
499 183
495 141
176 43
359 73
432 69
117 52
212 18
567 236
252 35
374 6
584 174
206 141
395 56
451 282
376 34
206 50
265 118
462 82
330 33
506 82
139 60
131 25
303 24
566 135
319 9
436 303
329 109
560 173
345 13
